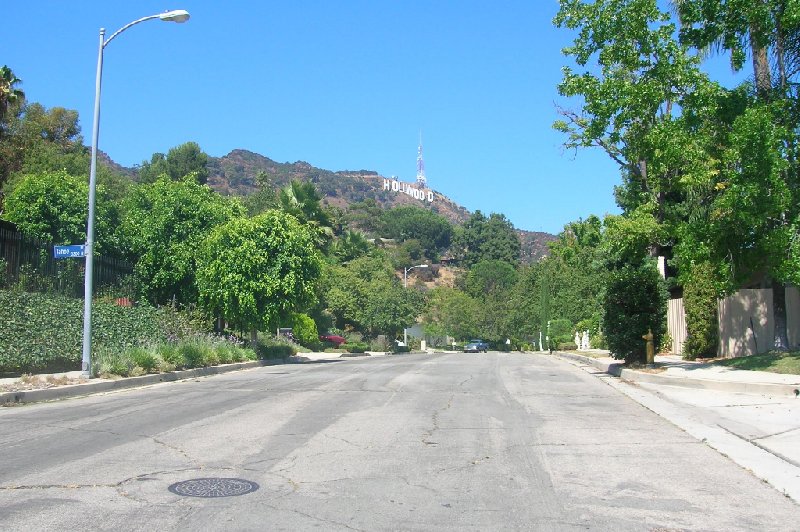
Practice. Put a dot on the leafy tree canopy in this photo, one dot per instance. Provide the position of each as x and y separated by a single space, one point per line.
164 225
179 162
483 238
252 270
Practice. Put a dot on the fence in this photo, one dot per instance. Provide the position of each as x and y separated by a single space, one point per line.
29 265
746 322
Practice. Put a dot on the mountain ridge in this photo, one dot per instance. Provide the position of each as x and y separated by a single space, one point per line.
238 174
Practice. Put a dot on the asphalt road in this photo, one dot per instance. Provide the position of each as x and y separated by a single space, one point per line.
415 442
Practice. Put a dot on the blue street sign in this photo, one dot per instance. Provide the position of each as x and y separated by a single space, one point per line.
69 252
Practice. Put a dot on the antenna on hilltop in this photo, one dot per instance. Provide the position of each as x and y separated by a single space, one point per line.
421 179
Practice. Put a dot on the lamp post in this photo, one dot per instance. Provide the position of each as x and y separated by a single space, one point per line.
178 15
405 285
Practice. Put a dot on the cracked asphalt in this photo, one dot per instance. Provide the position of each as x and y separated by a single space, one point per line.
417 442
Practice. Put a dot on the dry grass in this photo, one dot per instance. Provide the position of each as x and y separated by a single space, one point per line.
39 382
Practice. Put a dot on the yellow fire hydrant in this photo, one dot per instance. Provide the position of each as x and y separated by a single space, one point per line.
651 348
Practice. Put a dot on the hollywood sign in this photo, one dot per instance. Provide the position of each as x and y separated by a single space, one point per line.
398 186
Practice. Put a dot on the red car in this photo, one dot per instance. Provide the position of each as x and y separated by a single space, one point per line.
332 338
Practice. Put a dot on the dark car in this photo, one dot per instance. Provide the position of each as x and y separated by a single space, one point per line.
332 338
476 346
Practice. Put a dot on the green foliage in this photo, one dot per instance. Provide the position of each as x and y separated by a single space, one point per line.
432 232
271 348
164 225
186 160
250 271
356 347
635 302
367 294
562 331
490 278
304 330
700 301
491 238
303 201
42 332
52 207
351 245
451 312
199 351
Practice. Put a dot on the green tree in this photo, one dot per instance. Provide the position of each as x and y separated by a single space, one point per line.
301 200
253 270
164 225
432 231
52 207
366 294
483 238
634 302
181 161
451 312
351 245
10 94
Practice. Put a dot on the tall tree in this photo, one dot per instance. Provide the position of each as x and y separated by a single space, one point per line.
483 238
301 200
179 162
10 94
251 270
762 28
164 225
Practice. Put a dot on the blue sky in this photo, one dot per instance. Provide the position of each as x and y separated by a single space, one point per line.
342 85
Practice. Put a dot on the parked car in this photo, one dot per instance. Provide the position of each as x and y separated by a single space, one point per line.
332 338
476 346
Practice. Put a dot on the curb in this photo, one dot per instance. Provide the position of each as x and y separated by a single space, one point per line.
631 375
88 388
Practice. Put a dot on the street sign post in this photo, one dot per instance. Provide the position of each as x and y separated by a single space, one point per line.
69 252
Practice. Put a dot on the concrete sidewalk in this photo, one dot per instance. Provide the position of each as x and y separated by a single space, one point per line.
672 370
752 417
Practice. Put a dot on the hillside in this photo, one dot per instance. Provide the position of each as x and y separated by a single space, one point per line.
235 174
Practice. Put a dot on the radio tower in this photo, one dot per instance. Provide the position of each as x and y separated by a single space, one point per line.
421 180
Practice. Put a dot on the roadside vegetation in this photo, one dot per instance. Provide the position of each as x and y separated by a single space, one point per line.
774 362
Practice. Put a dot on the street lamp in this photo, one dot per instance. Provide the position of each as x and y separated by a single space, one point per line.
405 285
178 15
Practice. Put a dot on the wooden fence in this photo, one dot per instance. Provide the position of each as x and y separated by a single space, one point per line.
746 322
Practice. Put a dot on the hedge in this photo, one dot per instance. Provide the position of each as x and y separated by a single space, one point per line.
44 332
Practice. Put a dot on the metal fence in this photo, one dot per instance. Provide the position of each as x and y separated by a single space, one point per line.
29 265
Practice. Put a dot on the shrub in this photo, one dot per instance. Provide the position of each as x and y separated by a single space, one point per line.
700 302
275 348
635 301
356 347
193 354
172 357
145 358
598 341
562 331
568 346
304 330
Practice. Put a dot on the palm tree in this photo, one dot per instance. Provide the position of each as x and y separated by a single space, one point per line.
301 200
10 94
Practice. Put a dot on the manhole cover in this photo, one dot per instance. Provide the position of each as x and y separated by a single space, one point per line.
213 487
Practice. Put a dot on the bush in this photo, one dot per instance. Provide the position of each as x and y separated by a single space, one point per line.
193 354
304 330
568 346
700 302
598 341
635 302
44 333
356 347
145 358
